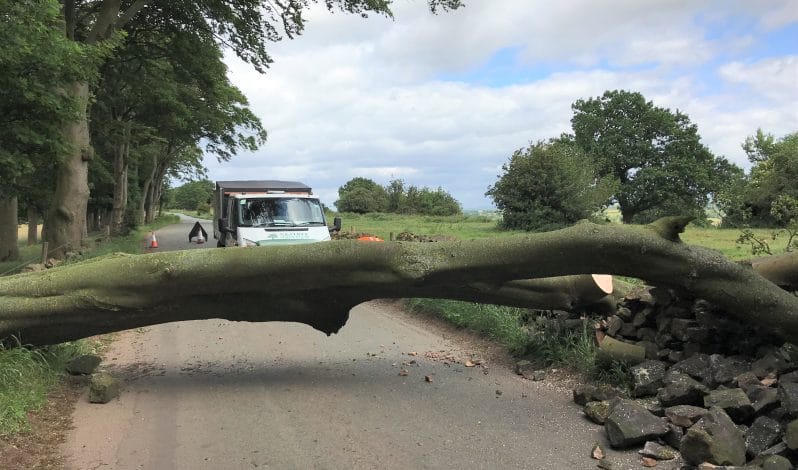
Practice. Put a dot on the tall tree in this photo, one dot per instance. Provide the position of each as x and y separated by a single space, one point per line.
192 195
774 174
654 155
162 89
244 26
35 59
362 195
549 185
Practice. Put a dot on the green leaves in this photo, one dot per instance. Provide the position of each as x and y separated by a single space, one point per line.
762 198
36 60
363 195
653 154
549 185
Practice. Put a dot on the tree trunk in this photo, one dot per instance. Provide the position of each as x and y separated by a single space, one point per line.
9 250
781 270
626 214
318 284
145 190
33 225
154 201
121 163
66 219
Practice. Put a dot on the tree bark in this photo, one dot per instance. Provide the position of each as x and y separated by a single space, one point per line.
66 219
145 191
318 284
33 225
9 250
121 164
781 270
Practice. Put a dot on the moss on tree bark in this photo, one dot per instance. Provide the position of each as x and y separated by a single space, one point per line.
318 284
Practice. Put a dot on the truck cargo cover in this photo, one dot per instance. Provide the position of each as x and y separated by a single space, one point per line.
260 186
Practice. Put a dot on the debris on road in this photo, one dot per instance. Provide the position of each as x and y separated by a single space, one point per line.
597 452
103 388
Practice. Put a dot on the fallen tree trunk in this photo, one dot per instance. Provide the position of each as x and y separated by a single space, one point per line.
781 270
318 284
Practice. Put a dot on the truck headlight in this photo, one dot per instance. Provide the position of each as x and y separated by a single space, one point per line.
248 242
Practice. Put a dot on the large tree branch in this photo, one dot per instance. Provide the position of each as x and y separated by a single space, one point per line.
109 10
781 270
318 284
130 13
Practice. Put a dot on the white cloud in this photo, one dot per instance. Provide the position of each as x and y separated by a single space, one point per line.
357 97
775 78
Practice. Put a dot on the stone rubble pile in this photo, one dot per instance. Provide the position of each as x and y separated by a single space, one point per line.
705 386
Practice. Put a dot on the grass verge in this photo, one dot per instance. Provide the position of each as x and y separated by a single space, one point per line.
26 377
540 337
28 374
130 243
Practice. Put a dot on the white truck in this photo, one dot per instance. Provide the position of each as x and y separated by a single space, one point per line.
258 213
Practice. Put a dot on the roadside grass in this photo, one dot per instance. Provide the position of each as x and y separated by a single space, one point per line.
131 243
533 335
28 374
26 377
27 255
198 214
502 324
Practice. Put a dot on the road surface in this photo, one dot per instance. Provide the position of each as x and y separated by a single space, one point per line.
380 394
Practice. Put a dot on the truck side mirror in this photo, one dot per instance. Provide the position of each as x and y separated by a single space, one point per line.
336 225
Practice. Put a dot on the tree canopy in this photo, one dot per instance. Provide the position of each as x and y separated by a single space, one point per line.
192 195
765 195
183 39
549 185
35 60
654 155
363 195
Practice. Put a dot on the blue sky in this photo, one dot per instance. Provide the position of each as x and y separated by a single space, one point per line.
445 100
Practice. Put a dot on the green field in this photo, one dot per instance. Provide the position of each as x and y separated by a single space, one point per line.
469 227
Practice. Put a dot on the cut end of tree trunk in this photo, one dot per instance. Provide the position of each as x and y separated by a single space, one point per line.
603 282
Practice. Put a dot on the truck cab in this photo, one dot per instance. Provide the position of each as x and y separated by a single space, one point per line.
259 213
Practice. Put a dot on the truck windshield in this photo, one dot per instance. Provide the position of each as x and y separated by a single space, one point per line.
273 212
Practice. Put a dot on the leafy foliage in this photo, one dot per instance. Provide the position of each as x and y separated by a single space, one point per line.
763 197
35 59
548 185
362 195
192 194
404 199
653 154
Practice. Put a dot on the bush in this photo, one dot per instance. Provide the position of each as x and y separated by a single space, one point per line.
548 185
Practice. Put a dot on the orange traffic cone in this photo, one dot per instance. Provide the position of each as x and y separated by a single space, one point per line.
153 240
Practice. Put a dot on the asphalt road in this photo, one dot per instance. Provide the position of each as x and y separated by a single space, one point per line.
223 395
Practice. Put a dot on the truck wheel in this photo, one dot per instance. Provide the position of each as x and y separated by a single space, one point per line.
219 244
